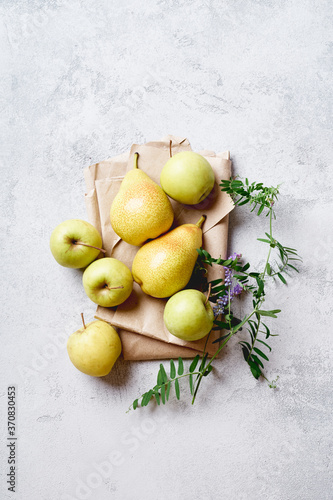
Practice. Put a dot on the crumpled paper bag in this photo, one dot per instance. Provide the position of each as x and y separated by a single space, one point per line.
140 318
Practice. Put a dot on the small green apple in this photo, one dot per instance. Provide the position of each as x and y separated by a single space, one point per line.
188 315
108 282
75 243
94 348
187 177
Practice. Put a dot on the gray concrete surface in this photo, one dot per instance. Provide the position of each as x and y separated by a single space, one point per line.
81 81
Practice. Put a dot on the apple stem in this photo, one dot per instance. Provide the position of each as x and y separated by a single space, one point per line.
170 148
201 220
84 325
90 246
101 319
136 156
113 287
208 293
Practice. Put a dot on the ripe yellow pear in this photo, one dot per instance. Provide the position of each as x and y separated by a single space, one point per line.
164 266
141 210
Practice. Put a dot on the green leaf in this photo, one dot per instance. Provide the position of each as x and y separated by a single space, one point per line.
191 383
253 326
262 342
242 202
146 397
217 289
269 270
291 252
172 369
235 184
293 267
205 253
180 366
256 372
235 321
163 394
261 285
258 351
239 277
261 209
268 332
164 376
271 314
216 282
246 344
203 362
246 267
207 372
222 325
220 338
177 388
246 352
135 404
159 378
257 360
168 390
157 397
282 278
194 363
251 335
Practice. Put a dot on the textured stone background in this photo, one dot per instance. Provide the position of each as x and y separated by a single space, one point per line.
81 81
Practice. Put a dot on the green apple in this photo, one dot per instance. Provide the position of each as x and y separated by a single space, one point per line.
187 177
108 282
94 348
188 315
75 243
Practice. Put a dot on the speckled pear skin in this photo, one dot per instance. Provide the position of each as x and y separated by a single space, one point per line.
164 266
141 210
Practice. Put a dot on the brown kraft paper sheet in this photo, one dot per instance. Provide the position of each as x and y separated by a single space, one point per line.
140 318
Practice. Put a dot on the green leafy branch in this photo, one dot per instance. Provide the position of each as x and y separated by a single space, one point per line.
161 391
255 194
256 348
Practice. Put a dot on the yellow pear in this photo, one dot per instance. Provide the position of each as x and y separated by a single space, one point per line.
164 266
141 210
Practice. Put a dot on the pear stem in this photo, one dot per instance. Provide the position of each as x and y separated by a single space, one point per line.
208 293
90 246
136 156
201 220
170 148
84 325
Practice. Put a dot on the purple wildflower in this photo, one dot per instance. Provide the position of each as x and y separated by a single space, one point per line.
238 289
230 292
235 256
